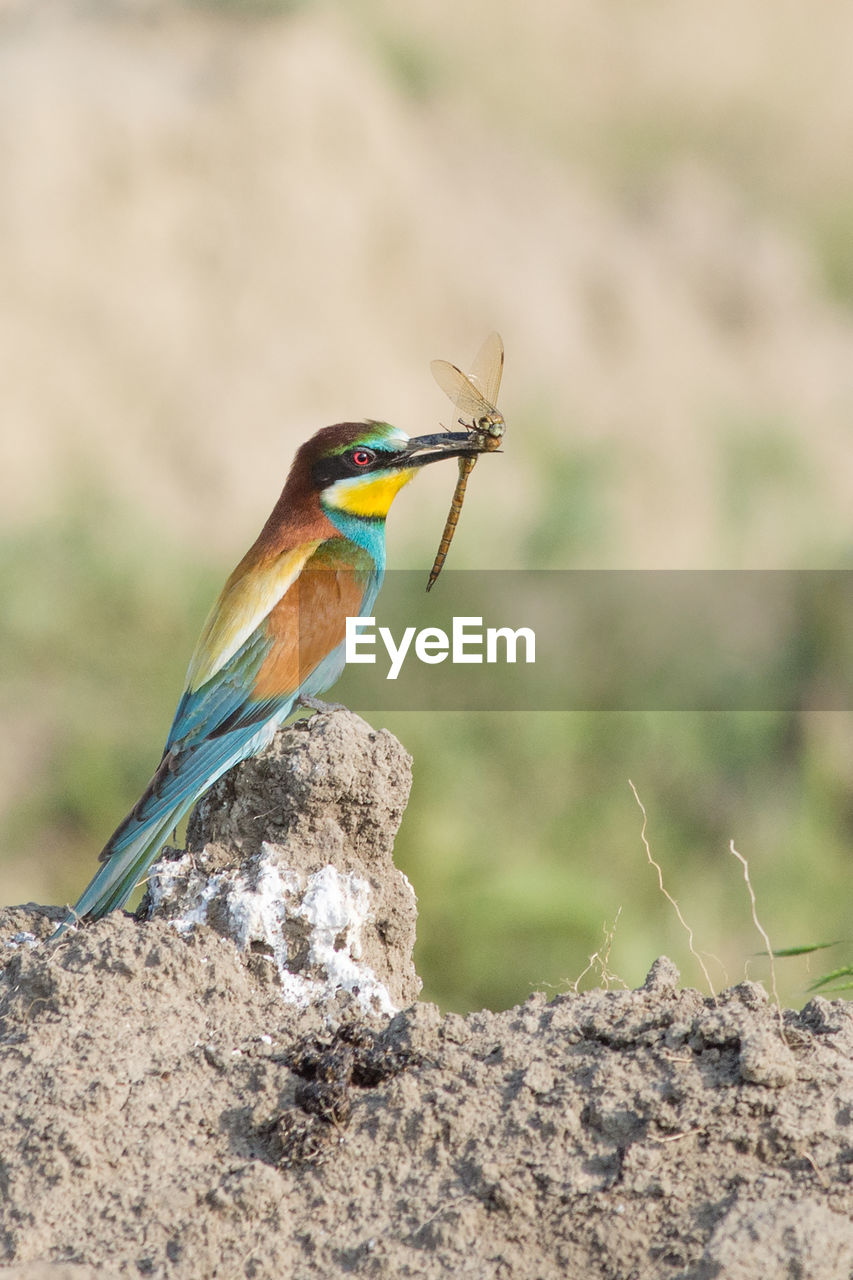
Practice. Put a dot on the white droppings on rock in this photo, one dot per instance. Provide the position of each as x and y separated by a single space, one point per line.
22 939
336 906
255 905
257 913
168 880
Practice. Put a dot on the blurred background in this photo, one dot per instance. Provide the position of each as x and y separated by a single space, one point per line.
224 225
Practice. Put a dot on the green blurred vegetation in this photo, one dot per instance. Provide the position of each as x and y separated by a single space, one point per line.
98 623
522 838
523 850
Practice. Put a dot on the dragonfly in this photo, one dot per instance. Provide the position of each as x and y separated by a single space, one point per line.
474 394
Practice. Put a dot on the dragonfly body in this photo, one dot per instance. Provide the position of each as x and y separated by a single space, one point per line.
474 395
466 466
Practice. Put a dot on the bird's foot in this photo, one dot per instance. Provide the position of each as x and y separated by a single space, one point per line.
315 704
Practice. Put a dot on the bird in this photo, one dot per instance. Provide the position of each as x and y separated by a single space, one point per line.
275 636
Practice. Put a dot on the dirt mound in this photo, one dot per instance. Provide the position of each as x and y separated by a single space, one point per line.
175 1104
292 857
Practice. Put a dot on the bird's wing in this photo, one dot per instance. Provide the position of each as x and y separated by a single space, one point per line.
297 646
295 632
206 711
233 645
251 592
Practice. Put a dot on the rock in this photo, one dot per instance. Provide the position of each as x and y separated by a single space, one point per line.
290 856
662 978
766 1059
787 1237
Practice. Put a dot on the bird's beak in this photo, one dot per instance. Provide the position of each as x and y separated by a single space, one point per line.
444 444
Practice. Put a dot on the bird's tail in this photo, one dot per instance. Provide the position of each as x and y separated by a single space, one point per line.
127 857
183 775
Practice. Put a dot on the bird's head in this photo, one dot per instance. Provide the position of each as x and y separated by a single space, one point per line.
358 468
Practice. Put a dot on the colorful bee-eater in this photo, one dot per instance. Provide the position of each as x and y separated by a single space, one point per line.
276 633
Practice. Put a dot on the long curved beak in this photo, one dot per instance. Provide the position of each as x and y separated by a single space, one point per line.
444 444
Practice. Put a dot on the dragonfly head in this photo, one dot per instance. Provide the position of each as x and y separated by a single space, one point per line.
489 431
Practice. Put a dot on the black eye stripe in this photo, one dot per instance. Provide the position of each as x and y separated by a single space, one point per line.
326 471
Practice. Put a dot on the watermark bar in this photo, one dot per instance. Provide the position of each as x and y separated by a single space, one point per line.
580 640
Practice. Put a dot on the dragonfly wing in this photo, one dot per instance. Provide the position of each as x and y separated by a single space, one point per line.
474 395
459 389
488 367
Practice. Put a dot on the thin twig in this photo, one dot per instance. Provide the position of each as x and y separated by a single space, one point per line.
755 920
685 926
602 959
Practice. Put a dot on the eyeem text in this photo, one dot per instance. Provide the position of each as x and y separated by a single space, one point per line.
467 642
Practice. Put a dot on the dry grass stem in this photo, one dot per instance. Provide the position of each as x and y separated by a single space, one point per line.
755 920
685 926
601 960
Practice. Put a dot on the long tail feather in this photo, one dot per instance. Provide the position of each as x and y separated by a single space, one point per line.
128 861
179 782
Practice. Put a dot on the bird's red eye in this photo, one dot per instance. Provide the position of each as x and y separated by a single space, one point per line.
362 457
